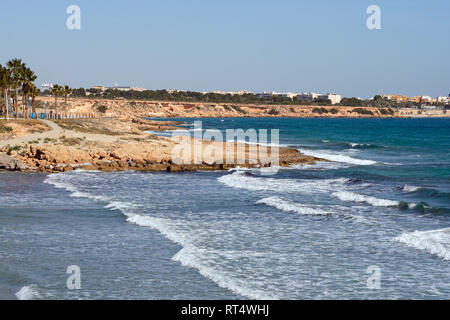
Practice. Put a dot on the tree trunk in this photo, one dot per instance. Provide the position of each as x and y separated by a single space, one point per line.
17 103
56 106
6 104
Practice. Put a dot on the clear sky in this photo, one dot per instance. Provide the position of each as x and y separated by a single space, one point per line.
285 45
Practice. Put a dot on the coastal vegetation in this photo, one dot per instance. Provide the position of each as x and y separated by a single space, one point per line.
17 81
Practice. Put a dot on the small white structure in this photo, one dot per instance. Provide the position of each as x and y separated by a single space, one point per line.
443 99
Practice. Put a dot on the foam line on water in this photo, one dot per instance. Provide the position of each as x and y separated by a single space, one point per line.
349 196
435 242
30 292
292 206
189 256
240 180
336 157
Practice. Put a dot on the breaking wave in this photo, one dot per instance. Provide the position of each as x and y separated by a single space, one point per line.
30 292
292 206
337 157
407 188
190 255
349 196
436 242
242 180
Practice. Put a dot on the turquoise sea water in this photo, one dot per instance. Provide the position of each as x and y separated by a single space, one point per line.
308 232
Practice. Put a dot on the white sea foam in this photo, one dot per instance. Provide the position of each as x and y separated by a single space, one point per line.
337 157
240 180
355 197
408 188
275 145
194 258
189 256
436 242
30 292
320 165
292 206
199 259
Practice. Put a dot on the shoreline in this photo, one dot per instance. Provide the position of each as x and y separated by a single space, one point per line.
118 145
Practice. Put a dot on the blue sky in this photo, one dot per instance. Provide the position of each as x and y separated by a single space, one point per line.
321 45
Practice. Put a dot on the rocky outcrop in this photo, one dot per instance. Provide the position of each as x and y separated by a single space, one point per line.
12 164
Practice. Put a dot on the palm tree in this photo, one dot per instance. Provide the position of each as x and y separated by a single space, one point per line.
34 91
56 91
66 91
28 78
16 65
5 84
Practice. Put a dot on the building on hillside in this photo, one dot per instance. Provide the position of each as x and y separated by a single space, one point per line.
46 86
117 87
398 98
311 96
334 98
426 99
443 99
308 96
101 88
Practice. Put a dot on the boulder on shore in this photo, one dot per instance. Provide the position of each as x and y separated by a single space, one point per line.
10 163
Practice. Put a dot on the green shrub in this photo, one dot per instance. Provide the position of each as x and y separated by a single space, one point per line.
11 149
102 108
334 111
238 109
363 111
4 128
273 112
320 110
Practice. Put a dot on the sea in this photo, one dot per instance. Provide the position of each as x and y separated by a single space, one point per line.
371 223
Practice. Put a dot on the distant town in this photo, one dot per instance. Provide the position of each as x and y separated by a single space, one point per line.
395 100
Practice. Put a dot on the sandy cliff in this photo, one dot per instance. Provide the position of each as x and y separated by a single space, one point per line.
128 108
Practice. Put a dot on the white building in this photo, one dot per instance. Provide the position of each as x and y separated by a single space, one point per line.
426 99
308 96
46 86
443 99
334 98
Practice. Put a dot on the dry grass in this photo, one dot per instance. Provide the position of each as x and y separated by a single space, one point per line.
31 126
91 126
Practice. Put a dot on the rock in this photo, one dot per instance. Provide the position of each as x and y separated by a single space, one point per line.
12 164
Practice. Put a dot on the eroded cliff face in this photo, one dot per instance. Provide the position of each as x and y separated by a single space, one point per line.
127 108
119 144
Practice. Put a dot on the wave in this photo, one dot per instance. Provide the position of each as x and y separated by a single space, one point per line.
421 207
189 256
194 257
364 146
424 207
430 192
292 206
30 292
436 242
352 145
241 180
407 188
286 205
276 145
336 157
349 196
